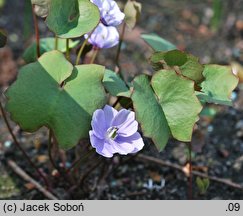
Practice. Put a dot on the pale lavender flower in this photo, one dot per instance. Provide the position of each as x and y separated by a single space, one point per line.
104 37
110 12
115 132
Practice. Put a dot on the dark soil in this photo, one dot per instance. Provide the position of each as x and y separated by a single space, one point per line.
217 142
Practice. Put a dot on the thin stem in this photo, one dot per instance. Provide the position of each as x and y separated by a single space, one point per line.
50 151
120 44
81 51
78 161
91 169
116 102
61 172
37 33
56 43
20 148
96 50
82 48
190 171
67 50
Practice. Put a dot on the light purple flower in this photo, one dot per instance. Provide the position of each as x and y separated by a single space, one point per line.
110 12
104 37
115 132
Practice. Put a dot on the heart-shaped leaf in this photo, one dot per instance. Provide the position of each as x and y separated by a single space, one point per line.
218 84
41 7
72 18
178 100
158 43
115 85
132 11
149 113
46 45
38 97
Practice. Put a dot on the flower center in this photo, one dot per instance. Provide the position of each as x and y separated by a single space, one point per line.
111 133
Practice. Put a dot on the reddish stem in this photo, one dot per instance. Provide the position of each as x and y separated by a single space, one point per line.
190 172
20 148
95 53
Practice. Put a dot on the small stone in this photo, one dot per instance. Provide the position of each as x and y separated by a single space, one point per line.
29 186
239 124
55 173
229 163
238 163
42 158
210 128
179 153
8 144
239 133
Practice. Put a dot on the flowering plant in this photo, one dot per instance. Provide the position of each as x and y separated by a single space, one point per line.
74 100
115 132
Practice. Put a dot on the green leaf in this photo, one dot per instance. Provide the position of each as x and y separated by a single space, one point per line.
41 7
202 184
178 100
193 69
132 11
3 38
187 64
72 18
175 58
158 43
115 85
149 113
38 98
46 44
218 84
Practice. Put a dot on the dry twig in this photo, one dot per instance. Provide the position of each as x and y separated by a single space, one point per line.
196 173
27 178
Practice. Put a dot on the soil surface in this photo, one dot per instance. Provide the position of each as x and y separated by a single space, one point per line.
217 140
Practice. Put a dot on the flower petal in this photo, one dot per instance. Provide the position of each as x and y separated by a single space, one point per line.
98 124
110 113
129 127
135 140
101 147
104 36
122 147
111 14
120 118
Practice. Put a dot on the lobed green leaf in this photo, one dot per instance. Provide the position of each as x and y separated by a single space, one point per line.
72 18
149 113
178 100
39 98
